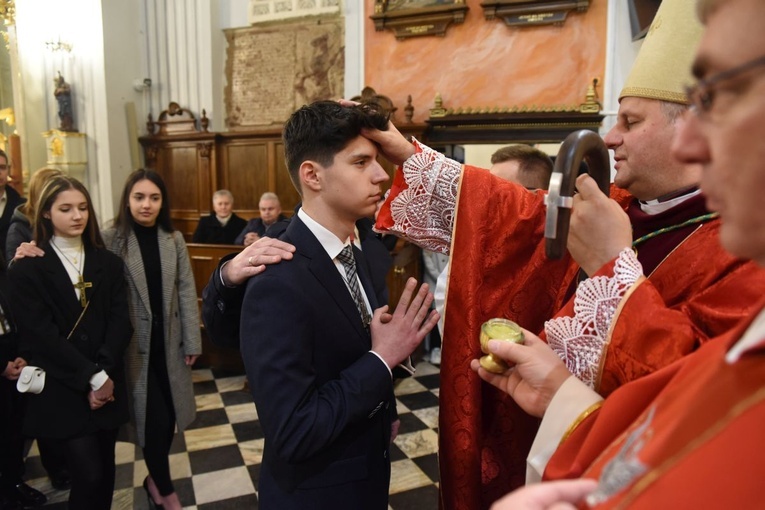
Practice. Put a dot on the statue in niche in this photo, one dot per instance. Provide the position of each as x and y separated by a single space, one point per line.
63 94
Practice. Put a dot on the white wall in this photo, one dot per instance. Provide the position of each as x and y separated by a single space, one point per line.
98 69
620 55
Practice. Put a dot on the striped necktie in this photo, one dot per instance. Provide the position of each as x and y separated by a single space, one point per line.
349 264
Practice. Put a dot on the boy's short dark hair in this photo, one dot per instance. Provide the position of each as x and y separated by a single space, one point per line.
318 131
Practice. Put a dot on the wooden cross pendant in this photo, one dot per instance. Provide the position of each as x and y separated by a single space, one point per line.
81 286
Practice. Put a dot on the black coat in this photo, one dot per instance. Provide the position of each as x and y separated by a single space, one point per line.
210 231
19 231
14 200
46 309
9 338
325 402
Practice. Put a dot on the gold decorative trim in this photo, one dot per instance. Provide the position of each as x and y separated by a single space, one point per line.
483 110
591 103
73 163
8 12
662 95
64 134
575 424
513 126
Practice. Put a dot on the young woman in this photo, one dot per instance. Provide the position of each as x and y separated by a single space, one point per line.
164 312
71 311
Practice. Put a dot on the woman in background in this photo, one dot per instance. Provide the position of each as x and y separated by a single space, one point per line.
20 229
165 316
72 316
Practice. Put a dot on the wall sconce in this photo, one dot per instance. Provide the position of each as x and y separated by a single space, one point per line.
58 45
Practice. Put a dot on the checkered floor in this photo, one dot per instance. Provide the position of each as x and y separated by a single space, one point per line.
216 462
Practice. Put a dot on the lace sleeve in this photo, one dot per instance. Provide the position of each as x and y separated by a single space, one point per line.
424 212
580 340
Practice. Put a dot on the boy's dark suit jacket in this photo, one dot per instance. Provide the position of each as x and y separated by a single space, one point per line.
325 402
46 309
221 306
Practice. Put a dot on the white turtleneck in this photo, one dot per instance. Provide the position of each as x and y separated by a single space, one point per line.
71 252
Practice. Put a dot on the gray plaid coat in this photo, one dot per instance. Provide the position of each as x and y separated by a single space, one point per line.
181 323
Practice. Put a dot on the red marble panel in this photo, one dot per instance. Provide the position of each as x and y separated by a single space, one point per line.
486 63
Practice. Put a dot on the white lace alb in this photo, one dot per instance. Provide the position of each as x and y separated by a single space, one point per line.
581 339
424 212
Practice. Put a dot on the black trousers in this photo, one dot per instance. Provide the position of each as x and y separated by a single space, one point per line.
91 466
160 417
11 439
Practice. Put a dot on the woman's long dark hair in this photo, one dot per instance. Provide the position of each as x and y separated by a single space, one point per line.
124 221
43 227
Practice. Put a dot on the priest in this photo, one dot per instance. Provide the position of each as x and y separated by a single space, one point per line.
691 433
654 229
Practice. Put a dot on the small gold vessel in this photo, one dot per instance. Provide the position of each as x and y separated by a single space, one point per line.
498 329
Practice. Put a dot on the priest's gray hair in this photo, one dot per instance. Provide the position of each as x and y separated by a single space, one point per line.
269 195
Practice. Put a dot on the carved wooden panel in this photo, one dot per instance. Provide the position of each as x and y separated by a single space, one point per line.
248 163
245 174
282 183
252 163
187 165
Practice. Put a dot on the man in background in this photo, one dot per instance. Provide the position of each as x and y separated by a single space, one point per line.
521 164
270 212
222 225
524 164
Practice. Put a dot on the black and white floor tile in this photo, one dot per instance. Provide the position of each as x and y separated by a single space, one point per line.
216 462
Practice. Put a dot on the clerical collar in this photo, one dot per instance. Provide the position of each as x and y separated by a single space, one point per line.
752 337
667 202
223 221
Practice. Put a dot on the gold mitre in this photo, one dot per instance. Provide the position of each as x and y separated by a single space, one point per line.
663 65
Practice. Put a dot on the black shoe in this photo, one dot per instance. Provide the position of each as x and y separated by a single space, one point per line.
152 504
61 481
27 496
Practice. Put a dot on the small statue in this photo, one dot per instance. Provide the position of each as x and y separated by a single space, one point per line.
63 95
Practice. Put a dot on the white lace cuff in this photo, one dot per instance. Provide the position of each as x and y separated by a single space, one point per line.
424 212
581 339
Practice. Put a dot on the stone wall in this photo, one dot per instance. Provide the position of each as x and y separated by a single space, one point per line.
273 70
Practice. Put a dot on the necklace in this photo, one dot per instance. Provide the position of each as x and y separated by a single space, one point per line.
81 284
692 221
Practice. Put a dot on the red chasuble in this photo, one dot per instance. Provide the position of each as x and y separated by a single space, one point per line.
689 435
499 269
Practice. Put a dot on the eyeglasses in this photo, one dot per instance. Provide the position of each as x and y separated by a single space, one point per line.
701 96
